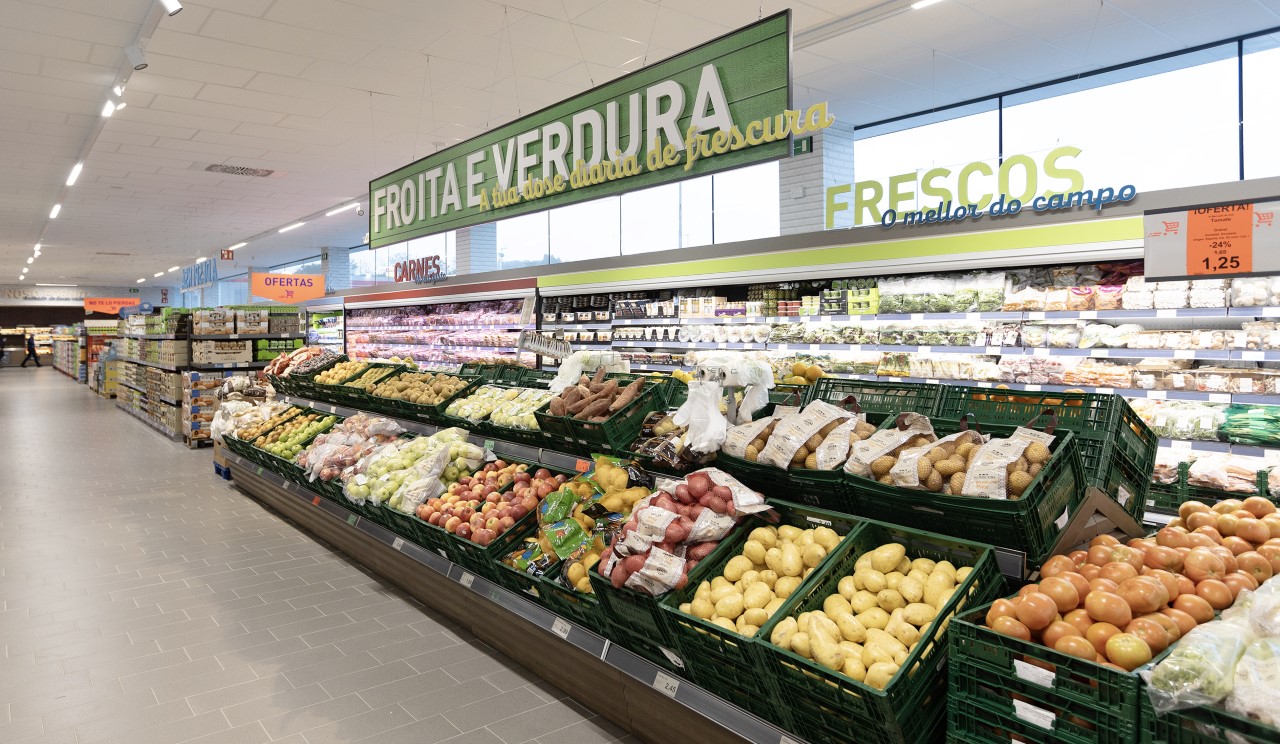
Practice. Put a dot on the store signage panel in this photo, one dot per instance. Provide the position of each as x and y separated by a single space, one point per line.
1222 240
287 287
199 275
429 269
109 305
721 105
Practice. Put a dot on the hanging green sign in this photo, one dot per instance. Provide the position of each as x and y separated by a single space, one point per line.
725 104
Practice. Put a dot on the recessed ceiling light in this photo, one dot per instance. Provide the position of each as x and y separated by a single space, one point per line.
174 268
31 260
171 6
121 105
56 285
923 4
108 108
202 259
118 90
140 281
25 270
332 212
237 246
75 173
53 213
21 277
37 248
294 226
158 273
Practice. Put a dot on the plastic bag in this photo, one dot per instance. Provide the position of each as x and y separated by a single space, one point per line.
1201 668
701 415
1264 615
800 434
1257 678
224 419
887 442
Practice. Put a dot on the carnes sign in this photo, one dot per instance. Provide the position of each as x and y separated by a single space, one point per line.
429 269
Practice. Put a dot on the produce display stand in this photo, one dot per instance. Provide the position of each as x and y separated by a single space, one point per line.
1207 725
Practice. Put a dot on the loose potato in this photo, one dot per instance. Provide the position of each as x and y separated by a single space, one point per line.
754 551
863 601
850 628
773 559
892 579
886 557
851 648
853 668
945 566
703 608
726 624
783 631
730 607
722 592
768 577
718 582
774 605
812 554
786 585
826 537
757 596
748 578
918 575
905 632
703 590
789 533
962 573
875 654
791 564
882 638
846 587
755 616
736 567
919 614
834 605
806 538
748 630
826 650
874 618
943 597
871 580
686 608
890 600
766 536
924 564
911 589
800 644
879 675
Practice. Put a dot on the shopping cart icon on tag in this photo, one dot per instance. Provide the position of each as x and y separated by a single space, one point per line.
1264 219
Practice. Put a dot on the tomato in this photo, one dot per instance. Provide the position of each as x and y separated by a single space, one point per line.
1237 544
1011 627
1056 631
1170 581
1171 629
1165 558
1056 565
1028 589
1118 571
1203 563
1238 581
1098 633
1079 617
1191 507
1103 540
1227 524
1101 585
1178 523
1253 530
1199 540
1195 606
1062 592
1210 532
1216 593
1184 621
1125 554
1144 594
1185 585
1079 557
1272 521
1255 565
1107 607
1099 555
1074 645
1141 543
1079 582
1036 610
1228 558
1171 537
1226 506
1000 608
1201 519
1151 633
1259 506
1091 572
1272 554
1127 651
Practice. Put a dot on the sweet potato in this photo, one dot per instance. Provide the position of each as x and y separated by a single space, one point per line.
599 377
627 395
557 407
582 405
596 407
570 396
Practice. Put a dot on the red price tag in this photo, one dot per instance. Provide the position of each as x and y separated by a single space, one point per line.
582 466
315 501
1220 240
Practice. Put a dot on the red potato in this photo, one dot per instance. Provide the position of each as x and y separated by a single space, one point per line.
701 550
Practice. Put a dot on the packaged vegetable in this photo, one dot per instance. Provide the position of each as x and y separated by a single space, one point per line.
1201 668
1257 678
1264 614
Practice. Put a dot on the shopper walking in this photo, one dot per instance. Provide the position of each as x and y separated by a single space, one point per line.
31 352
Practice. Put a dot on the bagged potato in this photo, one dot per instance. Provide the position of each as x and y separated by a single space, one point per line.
799 435
834 450
739 438
1003 468
932 466
913 430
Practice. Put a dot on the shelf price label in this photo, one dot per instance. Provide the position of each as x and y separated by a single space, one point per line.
560 627
315 501
582 466
668 686
467 580
397 543
1221 240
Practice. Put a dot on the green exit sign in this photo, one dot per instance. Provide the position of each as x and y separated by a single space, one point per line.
133 291
802 146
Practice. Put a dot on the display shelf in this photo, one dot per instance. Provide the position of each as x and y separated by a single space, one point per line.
233 365
156 336
1244 450
157 365
601 326
1125 353
246 336
175 436
148 393
681 691
656 367
1254 312
688 345
402 329
433 345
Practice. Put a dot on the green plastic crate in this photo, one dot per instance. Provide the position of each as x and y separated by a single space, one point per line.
414 530
343 394
515 580
1029 524
286 468
482 560
1089 702
613 435
1117 448
1208 725
420 412
579 607
304 385
766 479
716 659
826 707
879 400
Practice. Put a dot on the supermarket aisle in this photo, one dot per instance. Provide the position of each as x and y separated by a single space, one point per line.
143 601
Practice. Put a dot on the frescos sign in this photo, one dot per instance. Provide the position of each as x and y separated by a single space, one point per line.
287 287
722 105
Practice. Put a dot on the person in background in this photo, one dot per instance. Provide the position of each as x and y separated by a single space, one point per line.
31 351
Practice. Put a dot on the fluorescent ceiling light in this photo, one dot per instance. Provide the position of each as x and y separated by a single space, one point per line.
923 4
53 213
171 6
37 249
202 259
237 246
332 212
21 277
174 268
31 260
118 90
25 270
140 281
294 226
75 173
108 108
56 285
121 105
158 273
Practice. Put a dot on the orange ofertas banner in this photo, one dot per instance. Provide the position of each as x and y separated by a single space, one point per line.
110 305
288 287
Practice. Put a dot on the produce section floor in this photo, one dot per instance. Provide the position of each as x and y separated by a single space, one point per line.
145 601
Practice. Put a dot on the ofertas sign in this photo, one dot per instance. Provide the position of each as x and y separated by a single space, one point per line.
1221 240
429 269
287 287
109 305
722 105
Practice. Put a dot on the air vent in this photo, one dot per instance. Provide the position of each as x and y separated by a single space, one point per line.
239 170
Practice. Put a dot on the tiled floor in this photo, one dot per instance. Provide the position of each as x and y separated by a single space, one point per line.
143 601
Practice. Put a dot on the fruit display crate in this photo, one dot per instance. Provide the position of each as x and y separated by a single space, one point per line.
824 706
423 412
286 467
248 450
1002 686
613 435
1029 524
482 560
1117 448
304 386
1206 725
515 580
666 385
582 608
879 400
721 660
345 394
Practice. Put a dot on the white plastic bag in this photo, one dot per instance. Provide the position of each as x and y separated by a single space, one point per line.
1201 668
701 414
1256 681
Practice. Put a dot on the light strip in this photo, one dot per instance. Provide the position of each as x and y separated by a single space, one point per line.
174 268
923 4
202 259
294 226
158 273
31 260
171 6
237 246
140 281
108 109
121 105
332 212
75 173
37 248
53 213
118 90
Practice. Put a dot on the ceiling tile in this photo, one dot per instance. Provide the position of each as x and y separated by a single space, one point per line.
286 38
217 51
149 82
72 24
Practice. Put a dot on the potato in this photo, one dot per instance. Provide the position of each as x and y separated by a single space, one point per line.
722 592
766 536
719 581
850 628
904 565
812 554
890 600
919 614
834 605
736 567
726 624
923 564
871 580
768 577
918 575
851 648
905 632
730 606
785 586
943 597
846 587
754 551
863 601
900 658
853 668
826 650
773 559
748 578
805 539
963 573
875 654
800 644
789 533
806 573
755 616
703 608
774 605
703 590
945 566
882 638
886 557
892 579
803 619
826 537
748 630
879 675
782 632
874 618
756 596
686 608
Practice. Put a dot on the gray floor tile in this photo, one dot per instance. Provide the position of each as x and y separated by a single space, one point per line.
301 659
235 694
538 721
159 678
484 712
426 731
313 716
595 731
187 688
275 705
372 677
250 733
449 698
360 726
176 731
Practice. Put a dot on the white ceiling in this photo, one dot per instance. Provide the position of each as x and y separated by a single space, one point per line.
330 93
